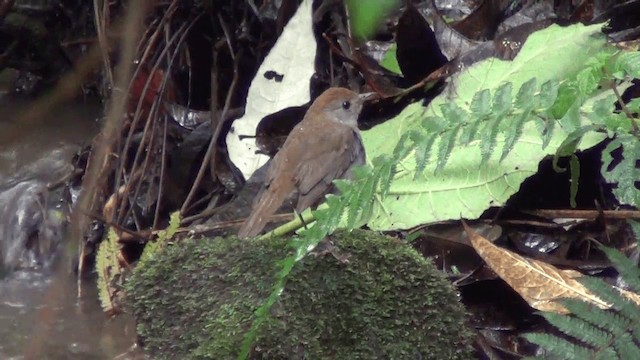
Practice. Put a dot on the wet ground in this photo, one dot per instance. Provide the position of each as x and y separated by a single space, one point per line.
40 314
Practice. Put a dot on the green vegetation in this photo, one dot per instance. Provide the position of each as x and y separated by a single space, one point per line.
497 121
596 333
371 297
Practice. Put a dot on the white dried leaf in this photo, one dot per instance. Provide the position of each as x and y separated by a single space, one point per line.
292 57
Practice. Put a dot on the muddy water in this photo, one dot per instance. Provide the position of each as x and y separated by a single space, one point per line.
40 314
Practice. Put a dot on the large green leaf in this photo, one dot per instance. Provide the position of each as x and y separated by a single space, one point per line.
625 173
466 186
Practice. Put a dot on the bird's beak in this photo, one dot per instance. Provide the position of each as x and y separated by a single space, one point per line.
368 96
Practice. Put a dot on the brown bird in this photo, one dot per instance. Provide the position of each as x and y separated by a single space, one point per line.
324 146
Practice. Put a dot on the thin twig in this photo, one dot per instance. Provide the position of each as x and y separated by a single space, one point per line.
625 109
585 214
211 150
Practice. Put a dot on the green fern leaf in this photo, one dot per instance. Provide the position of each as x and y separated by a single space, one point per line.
603 111
570 144
386 173
108 269
568 97
546 131
453 113
433 124
628 64
606 353
447 142
588 79
334 214
558 348
361 202
610 334
596 316
424 144
152 247
502 100
513 133
627 268
402 147
604 291
547 95
489 137
470 133
481 103
525 96
625 347
570 121
579 329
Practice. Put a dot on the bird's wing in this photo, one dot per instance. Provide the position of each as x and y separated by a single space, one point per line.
332 156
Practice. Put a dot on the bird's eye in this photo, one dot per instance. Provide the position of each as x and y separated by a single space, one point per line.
346 105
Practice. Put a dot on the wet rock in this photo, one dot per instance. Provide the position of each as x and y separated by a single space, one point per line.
29 231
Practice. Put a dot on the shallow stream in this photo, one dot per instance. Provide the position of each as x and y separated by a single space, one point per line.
41 316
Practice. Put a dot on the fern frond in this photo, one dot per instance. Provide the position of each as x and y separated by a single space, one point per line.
462 123
447 142
625 347
470 132
402 149
570 119
526 94
481 103
548 126
333 214
363 197
547 95
597 316
628 64
619 303
502 100
453 113
108 269
558 348
152 247
579 329
513 134
628 269
386 172
604 334
570 144
424 144
489 138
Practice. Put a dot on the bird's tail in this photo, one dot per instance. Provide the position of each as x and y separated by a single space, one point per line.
266 206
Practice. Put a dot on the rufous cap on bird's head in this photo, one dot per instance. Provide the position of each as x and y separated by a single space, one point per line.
337 104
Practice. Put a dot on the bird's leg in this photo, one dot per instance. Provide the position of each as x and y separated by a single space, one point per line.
299 215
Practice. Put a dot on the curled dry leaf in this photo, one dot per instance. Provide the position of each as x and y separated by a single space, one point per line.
540 284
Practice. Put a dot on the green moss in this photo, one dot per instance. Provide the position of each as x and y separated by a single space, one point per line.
196 300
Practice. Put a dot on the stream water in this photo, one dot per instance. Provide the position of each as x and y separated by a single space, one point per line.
41 316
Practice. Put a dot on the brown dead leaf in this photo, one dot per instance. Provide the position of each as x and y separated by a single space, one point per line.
631 296
540 284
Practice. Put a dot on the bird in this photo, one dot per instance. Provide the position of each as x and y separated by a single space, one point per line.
324 146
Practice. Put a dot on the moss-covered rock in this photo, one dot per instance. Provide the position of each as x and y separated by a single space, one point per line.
197 298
